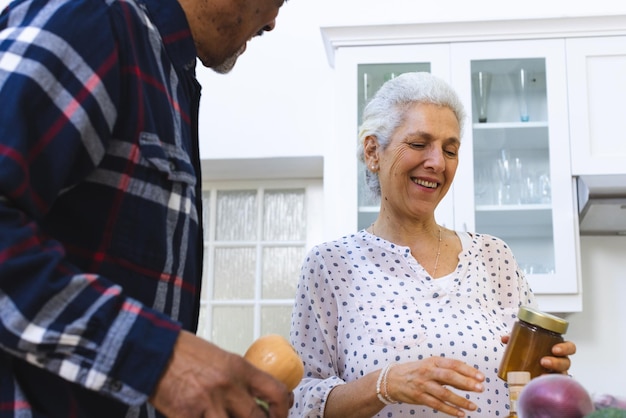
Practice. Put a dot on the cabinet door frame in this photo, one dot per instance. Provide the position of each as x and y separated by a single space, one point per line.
607 153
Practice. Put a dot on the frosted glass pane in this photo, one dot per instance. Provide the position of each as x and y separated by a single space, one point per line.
202 323
276 320
233 327
206 212
236 215
284 215
234 273
281 267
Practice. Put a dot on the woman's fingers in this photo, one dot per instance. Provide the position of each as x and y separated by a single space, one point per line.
443 399
457 374
560 362
428 383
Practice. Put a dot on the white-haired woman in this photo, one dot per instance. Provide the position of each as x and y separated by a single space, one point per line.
406 317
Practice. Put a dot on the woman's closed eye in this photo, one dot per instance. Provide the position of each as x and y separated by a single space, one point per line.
417 145
449 151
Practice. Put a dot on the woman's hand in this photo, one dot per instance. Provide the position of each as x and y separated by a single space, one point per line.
425 383
560 362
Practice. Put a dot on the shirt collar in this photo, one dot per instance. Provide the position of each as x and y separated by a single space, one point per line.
171 22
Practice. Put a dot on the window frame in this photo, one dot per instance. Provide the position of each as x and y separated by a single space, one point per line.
313 201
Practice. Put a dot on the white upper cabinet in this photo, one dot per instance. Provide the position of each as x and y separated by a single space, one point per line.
596 74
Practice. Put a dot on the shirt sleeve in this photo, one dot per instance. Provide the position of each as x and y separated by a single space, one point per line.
58 114
314 336
513 286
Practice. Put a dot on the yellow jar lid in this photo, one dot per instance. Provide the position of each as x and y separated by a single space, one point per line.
544 320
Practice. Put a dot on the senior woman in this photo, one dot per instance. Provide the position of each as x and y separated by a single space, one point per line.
406 317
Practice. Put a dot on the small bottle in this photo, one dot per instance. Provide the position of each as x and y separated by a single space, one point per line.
516 382
533 336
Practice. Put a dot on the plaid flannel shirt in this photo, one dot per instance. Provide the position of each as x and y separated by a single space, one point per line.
100 237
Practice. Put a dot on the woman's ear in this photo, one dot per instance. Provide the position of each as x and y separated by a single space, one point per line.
370 152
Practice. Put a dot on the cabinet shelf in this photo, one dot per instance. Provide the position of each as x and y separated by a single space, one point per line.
515 220
512 135
531 207
509 125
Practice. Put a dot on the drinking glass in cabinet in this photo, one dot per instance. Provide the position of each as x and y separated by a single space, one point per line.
509 90
509 178
484 185
482 87
520 83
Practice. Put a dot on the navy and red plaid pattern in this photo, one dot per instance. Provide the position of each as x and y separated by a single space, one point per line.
100 238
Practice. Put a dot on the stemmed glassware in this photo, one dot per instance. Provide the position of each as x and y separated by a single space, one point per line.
482 87
521 81
509 172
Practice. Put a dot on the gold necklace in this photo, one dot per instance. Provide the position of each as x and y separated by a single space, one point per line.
438 253
438 249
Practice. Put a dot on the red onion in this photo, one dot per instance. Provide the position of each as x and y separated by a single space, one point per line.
554 396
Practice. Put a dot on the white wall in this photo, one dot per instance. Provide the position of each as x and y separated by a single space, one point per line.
600 330
278 99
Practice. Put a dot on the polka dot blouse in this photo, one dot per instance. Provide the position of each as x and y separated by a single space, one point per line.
363 302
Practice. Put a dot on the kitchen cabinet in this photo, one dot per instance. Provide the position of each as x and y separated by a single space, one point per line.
596 69
534 210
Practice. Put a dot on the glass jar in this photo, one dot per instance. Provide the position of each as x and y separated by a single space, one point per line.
533 336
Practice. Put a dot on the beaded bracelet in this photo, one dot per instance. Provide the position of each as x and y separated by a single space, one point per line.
383 395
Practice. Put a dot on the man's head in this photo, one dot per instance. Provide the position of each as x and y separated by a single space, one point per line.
222 28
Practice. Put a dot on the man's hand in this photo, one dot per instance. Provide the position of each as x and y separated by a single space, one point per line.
203 380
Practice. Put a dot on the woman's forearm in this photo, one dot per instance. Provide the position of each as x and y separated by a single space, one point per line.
356 399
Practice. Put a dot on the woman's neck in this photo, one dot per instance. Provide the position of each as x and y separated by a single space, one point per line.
406 233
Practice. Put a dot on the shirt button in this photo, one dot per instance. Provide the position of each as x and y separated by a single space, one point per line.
172 166
115 385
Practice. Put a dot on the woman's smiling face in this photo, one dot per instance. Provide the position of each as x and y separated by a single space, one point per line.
417 167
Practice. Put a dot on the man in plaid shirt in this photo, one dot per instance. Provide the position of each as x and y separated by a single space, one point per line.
100 232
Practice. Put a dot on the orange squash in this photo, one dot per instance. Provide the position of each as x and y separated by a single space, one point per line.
273 354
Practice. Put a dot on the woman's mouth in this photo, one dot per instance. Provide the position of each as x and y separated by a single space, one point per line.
425 183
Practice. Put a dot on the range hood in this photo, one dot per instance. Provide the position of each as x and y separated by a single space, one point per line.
602 204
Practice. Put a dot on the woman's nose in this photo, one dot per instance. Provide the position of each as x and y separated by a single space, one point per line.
436 160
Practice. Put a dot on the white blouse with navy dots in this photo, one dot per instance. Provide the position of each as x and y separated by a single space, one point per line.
363 302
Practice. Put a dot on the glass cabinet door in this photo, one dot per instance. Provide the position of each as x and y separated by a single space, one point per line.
516 151
511 152
371 77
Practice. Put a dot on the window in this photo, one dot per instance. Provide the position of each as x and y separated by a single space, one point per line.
256 236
